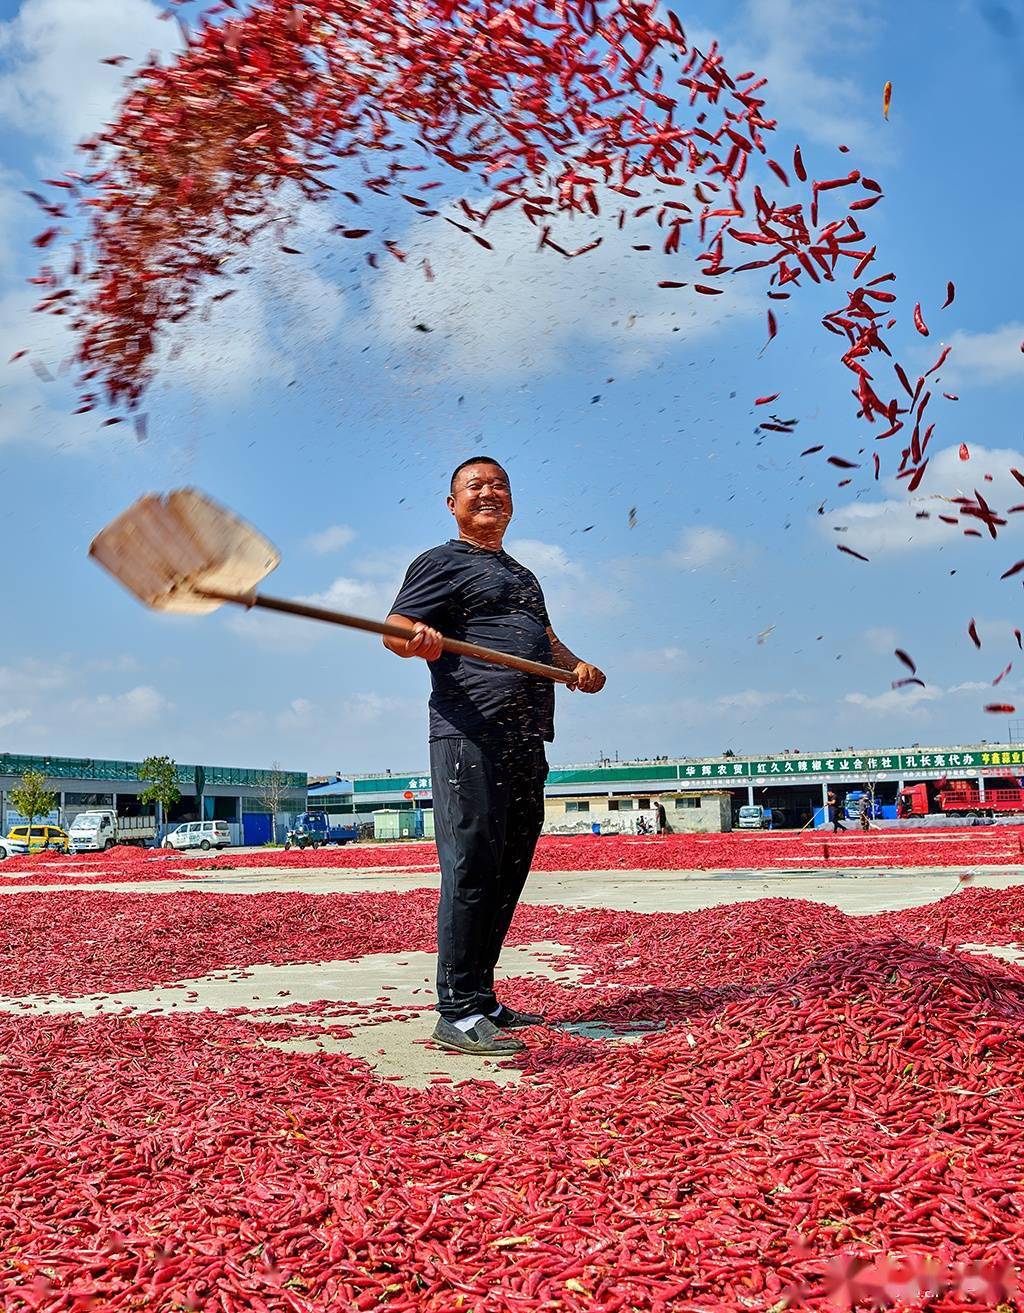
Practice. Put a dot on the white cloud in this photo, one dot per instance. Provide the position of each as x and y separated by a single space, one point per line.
55 91
276 633
369 598
515 310
125 663
881 640
34 411
703 548
891 525
140 706
912 701
54 87
790 42
546 560
570 591
363 597
980 358
754 699
32 677
219 354
296 716
258 336
367 708
332 539
658 659
15 716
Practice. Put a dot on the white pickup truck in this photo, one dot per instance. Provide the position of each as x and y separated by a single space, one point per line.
95 831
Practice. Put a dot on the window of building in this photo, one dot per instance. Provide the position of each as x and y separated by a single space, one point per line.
684 803
644 804
613 804
626 804
577 806
88 800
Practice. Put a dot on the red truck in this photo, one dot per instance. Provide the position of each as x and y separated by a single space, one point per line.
962 798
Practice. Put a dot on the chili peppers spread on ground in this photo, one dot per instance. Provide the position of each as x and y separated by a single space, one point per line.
822 1090
1001 845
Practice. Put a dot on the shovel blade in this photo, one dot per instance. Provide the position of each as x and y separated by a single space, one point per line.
167 548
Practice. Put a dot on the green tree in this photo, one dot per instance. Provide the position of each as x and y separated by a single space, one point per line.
162 774
273 788
32 798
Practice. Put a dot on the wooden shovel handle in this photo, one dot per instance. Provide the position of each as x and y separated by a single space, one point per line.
389 631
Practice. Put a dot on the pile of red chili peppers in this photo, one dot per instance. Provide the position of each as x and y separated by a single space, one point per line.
825 1097
555 107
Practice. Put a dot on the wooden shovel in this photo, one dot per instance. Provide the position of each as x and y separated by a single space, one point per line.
184 552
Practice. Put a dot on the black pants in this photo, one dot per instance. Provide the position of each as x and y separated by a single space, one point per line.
488 814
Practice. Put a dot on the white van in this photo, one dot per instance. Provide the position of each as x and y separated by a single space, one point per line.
199 834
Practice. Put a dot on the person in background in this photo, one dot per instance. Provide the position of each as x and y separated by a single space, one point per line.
835 813
661 818
864 812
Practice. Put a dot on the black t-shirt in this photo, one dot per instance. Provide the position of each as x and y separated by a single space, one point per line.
488 598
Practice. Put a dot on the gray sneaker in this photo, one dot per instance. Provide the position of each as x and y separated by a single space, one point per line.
484 1039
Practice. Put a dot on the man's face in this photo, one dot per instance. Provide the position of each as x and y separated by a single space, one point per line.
481 501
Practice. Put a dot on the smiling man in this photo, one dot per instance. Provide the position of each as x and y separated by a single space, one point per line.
488 727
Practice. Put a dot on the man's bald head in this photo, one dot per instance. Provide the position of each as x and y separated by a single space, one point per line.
477 460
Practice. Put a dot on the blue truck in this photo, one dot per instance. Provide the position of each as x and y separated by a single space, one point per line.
852 805
314 829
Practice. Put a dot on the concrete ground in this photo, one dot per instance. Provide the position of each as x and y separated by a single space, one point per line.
383 1001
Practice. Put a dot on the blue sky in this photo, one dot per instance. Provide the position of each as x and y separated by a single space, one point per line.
724 618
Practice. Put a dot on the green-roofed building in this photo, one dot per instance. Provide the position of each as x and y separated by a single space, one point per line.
234 794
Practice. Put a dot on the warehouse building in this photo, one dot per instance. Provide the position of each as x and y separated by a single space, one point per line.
241 797
709 812
793 784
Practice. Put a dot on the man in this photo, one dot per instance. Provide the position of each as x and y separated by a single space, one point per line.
835 813
660 817
488 726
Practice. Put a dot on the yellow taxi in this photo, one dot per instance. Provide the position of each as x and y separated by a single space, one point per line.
50 837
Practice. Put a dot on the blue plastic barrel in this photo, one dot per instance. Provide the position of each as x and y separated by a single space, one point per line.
595 827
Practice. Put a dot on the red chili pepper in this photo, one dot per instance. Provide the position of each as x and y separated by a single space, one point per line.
919 323
773 327
972 630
